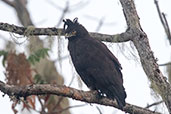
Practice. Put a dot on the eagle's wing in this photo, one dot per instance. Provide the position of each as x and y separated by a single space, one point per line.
100 69
96 65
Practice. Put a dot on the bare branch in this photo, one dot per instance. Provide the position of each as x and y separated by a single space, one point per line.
159 13
69 107
10 3
89 97
154 104
163 21
31 29
100 112
117 38
65 10
167 30
42 105
100 24
165 64
148 61
123 37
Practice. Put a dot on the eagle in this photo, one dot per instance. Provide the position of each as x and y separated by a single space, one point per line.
96 65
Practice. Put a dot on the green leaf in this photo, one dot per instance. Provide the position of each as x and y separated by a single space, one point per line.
31 59
38 79
39 54
4 54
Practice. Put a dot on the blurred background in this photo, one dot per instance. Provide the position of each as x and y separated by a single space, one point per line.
45 59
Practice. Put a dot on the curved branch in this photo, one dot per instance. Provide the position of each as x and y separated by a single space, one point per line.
10 3
117 38
89 96
123 37
148 61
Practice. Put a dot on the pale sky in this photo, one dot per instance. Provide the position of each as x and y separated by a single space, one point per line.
135 80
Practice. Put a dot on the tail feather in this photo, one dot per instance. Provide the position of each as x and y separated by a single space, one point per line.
121 104
118 94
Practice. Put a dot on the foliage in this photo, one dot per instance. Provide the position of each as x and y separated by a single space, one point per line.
4 54
19 72
36 56
38 79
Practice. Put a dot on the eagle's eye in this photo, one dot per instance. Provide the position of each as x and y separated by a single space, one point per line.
70 34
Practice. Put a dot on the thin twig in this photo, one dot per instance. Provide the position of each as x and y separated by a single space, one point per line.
65 10
69 107
165 64
42 106
154 104
159 13
100 24
10 3
163 21
100 112
57 104
167 28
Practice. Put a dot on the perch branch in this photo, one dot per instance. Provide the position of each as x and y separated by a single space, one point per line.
89 96
123 37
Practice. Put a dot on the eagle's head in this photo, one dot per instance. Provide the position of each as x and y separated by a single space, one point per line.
73 29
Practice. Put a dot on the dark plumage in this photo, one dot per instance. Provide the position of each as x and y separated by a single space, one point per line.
97 66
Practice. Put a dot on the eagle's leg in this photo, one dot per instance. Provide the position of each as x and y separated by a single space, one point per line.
100 95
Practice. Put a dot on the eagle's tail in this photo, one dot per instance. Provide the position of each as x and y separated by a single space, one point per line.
121 103
118 94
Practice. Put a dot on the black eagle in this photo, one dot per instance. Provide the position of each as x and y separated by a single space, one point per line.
97 66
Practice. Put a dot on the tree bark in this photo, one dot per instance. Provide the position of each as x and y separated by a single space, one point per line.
89 96
148 61
133 33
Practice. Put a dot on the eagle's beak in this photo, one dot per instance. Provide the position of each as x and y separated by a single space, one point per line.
68 35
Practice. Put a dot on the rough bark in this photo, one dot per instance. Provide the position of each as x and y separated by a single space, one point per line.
139 38
89 96
52 31
148 61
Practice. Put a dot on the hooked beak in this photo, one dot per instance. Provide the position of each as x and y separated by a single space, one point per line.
71 34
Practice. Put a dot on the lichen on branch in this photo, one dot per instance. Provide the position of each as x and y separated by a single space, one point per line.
86 96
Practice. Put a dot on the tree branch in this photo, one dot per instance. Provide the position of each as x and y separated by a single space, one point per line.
148 61
89 96
31 30
163 20
165 64
10 3
133 33
154 104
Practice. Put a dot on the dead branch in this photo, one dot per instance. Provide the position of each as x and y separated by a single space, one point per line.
154 104
10 3
65 10
89 96
164 21
69 107
165 64
134 33
31 31
148 61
